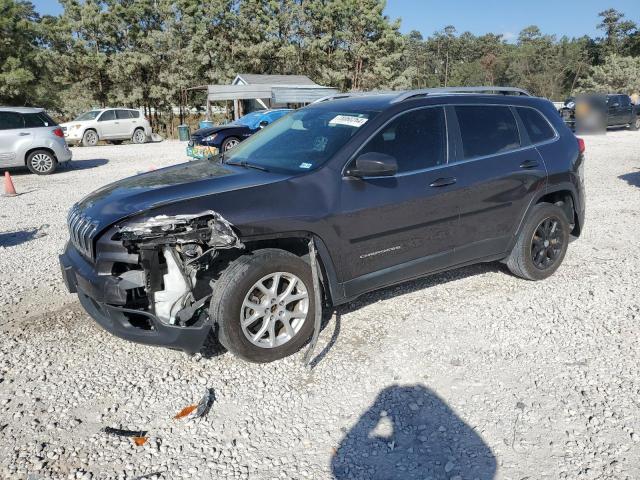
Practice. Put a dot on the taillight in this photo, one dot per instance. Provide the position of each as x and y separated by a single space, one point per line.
581 145
58 133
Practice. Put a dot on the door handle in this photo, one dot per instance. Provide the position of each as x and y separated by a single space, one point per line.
529 164
24 134
443 182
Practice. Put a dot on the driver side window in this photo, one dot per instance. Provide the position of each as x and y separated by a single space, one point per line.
416 139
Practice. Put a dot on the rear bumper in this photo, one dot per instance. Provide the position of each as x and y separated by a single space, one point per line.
105 301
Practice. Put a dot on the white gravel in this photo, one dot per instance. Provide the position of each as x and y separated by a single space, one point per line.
469 374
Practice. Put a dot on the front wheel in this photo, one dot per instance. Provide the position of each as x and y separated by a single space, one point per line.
229 143
542 243
635 125
90 138
263 304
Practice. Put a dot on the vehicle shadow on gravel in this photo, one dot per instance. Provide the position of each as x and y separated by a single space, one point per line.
632 178
411 433
11 239
84 164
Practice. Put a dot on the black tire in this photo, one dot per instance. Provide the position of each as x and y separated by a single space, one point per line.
548 254
236 282
90 138
139 137
635 125
229 143
42 162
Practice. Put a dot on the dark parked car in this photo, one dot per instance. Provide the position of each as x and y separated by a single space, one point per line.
617 111
386 188
210 141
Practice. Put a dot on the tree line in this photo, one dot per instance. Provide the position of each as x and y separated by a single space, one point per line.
142 53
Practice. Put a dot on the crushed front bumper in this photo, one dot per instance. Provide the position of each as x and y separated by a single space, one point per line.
105 300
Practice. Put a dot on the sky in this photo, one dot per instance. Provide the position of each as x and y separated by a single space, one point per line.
573 18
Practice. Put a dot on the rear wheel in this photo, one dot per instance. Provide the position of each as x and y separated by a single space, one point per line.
264 305
139 136
41 162
90 138
636 124
542 243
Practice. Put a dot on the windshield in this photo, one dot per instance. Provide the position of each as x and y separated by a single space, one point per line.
88 115
300 141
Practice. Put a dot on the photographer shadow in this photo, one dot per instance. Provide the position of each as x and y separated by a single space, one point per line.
410 433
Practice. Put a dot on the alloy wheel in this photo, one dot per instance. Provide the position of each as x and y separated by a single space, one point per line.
274 310
547 243
139 136
91 138
41 162
230 144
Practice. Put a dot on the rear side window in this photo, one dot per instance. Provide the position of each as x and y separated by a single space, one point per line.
123 114
37 120
537 126
10 120
134 113
487 130
417 139
108 115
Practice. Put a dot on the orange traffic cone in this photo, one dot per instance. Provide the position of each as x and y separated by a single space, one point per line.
9 189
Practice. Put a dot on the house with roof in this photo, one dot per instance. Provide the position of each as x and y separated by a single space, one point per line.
251 92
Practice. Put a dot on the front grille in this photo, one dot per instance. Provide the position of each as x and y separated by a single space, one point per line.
82 230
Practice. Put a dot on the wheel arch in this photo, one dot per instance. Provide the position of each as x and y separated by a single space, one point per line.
31 150
564 193
298 244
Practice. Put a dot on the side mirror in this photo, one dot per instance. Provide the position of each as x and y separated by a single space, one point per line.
374 164
263 124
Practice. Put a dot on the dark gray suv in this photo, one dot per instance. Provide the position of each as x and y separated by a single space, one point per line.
384 187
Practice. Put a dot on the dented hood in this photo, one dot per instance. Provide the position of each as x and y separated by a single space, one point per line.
143 192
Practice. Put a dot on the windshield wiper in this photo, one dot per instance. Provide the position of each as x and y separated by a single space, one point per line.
246 164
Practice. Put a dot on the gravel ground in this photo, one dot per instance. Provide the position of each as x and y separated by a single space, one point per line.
469 374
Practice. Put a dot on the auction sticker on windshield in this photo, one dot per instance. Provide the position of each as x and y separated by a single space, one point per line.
349 120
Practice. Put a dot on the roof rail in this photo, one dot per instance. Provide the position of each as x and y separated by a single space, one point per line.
449 90
337 96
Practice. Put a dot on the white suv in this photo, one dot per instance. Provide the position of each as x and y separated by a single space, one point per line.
111 124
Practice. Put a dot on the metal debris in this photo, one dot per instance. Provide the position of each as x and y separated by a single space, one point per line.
306 359
200 409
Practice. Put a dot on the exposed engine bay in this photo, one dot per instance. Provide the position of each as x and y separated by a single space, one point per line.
176 254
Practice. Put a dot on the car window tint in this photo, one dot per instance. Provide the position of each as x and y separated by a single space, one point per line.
108 115
416 139
134 113
625 101
537 127
38 119
9 120
487 130
123 114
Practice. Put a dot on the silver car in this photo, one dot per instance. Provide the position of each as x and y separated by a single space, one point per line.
29 137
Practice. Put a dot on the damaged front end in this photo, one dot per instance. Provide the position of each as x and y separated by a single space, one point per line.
150 280
176 253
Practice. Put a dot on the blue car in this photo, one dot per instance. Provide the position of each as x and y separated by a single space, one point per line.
209 141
